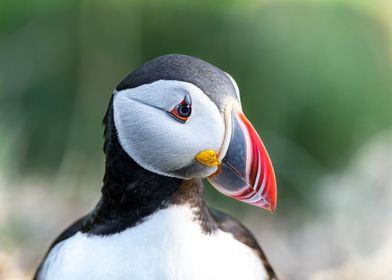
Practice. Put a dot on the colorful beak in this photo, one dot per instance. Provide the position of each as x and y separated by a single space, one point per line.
245 173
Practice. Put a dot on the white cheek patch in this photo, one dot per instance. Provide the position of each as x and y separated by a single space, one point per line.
154 139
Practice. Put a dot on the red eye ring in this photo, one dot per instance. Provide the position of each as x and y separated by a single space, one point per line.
183 110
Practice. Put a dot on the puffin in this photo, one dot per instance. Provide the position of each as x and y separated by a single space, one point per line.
171 123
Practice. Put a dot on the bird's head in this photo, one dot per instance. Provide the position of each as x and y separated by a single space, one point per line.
180 116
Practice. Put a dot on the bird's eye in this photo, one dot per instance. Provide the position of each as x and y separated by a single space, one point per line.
183 110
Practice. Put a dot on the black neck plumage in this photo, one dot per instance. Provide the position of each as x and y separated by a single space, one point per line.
131 193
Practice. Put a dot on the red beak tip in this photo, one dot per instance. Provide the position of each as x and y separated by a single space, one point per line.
271 208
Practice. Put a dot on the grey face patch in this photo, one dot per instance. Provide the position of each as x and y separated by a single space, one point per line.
159 143
215 83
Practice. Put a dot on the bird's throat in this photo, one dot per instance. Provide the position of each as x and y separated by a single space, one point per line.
130 193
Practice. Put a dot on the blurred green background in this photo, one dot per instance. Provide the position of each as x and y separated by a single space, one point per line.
315 80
